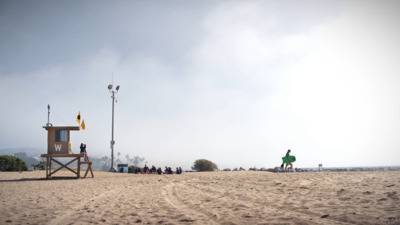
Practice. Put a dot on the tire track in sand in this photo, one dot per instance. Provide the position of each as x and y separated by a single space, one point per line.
178 196
72 215
219 206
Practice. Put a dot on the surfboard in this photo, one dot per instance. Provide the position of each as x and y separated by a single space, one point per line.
292 159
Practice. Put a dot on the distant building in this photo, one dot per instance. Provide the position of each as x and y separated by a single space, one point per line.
122 168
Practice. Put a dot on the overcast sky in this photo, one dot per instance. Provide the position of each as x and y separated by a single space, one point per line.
235 82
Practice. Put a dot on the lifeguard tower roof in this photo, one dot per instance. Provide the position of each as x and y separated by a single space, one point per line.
62 127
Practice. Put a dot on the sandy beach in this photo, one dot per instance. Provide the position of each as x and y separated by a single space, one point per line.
245 197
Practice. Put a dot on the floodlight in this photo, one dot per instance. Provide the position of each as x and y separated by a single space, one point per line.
109 86
117 88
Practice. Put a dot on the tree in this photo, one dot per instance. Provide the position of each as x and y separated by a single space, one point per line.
29 161
136 160
131 169
40 166
204 165
11 163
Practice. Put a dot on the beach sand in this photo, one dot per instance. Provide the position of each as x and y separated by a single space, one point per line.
245 197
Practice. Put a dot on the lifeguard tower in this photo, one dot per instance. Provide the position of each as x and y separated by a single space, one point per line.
58 146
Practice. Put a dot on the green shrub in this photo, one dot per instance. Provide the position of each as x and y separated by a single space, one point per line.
204 165
11 163
131 169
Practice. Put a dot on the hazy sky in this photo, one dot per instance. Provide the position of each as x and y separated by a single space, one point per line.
235 82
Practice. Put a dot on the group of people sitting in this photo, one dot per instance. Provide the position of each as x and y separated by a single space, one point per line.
159 171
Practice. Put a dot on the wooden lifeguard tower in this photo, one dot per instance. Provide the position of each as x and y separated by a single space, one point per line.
58 146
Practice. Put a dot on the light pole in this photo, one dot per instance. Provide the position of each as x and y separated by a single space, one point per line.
112 169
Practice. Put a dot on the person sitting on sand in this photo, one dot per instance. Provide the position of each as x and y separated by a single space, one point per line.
289 163
138 170
153 169
83 151
132 168
159 171
178 170
145 169
166 170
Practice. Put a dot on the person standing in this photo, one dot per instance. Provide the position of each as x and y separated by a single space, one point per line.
289 162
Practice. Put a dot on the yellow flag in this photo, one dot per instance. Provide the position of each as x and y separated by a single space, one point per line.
78 118
83 125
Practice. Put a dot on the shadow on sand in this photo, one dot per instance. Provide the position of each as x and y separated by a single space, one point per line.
39 179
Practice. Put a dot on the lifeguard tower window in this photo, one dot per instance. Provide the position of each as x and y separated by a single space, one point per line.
61 135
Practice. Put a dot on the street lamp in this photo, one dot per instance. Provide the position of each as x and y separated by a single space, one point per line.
112 143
